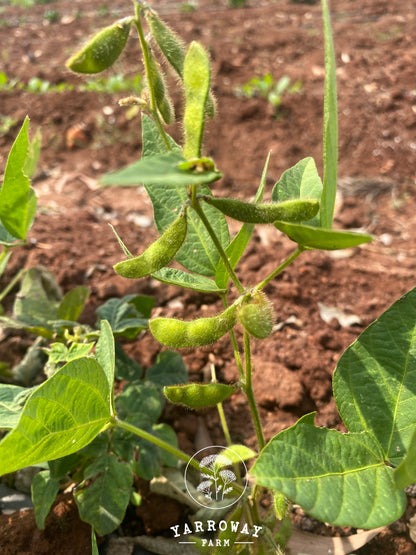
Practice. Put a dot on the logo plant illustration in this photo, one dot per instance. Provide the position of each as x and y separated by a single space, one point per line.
217 481
348 479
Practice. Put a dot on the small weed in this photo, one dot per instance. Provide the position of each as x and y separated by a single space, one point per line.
53 16
187 7
236 3
267 88
6 123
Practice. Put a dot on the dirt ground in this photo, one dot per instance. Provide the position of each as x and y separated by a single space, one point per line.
375 51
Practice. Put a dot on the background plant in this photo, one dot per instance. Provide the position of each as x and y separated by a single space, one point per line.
266 87
177 179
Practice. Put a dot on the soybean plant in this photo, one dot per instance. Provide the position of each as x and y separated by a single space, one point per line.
343 479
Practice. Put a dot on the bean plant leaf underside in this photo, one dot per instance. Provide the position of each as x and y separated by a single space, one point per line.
302 181
375 379
162 170
330 474
325 239
61 416
173 276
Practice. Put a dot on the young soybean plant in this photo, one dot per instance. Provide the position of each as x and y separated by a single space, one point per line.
346 479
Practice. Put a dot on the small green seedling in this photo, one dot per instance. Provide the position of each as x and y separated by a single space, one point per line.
267 88
348 479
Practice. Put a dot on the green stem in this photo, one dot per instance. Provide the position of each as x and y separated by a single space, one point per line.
156 441
249 392
11 284
234 343
197 207
220 409
146 62
280 269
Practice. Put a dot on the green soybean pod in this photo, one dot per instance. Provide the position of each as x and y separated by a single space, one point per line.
296 210
196 79
157 83
158 254
173 49
256 315
196 396
171 45
180 334
103 49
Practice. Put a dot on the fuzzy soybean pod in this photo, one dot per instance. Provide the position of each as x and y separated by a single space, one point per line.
196 80
196 396
158 254
103 49
157 82
173 49
180 334
296 210
256 315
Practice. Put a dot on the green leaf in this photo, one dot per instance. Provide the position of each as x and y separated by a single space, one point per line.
38 299
405 473
33 154
61 416
166 433
140 403
126 368
104 502
169 369
44 491
236 248
330 130
337 478
299 182
172 276
105 352
73 303
161 169
17 199
325 239
6 239
374 382
198 254
12 400
236 452
125 320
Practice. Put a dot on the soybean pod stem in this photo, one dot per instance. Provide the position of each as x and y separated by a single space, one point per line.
248 388
234 343
197 207
280 269
147 69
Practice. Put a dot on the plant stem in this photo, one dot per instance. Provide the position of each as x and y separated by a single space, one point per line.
11 283
224 424
280 269
197 207
249 392
156 441
146 62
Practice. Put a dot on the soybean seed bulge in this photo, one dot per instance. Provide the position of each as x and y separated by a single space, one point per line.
103 49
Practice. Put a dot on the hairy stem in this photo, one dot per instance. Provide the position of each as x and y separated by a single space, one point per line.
280 269
249 392
197 207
